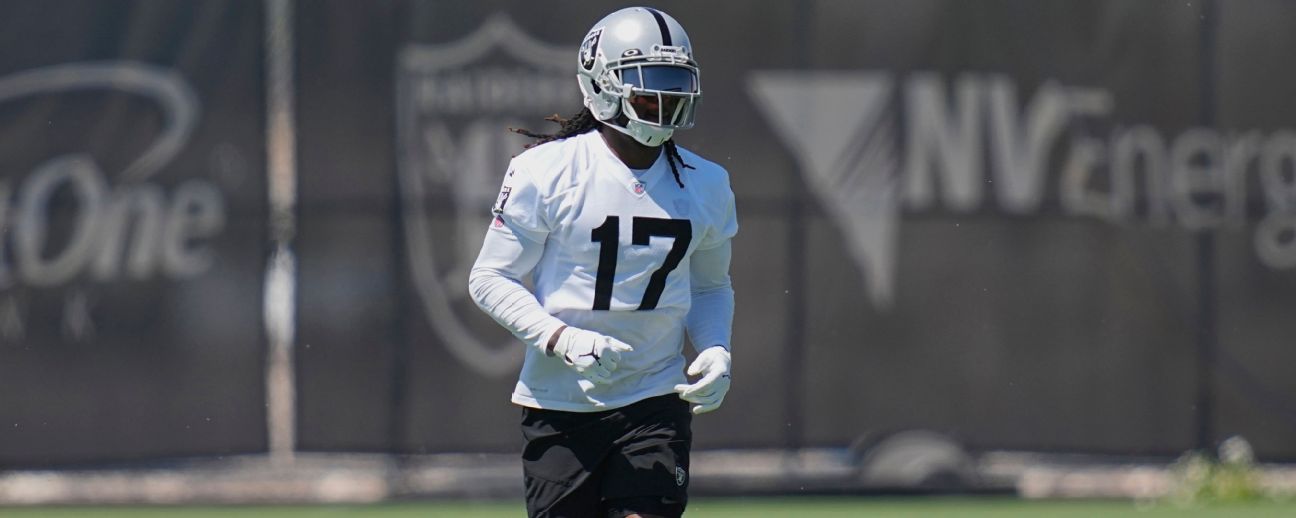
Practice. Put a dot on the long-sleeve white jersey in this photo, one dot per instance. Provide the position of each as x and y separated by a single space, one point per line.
628 254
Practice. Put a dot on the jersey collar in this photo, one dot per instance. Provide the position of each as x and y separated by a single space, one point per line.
636 184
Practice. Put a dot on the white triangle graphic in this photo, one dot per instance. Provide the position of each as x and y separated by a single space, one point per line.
840 126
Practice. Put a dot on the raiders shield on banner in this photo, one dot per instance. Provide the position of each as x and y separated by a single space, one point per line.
454 103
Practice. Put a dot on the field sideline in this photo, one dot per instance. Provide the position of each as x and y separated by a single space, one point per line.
794 507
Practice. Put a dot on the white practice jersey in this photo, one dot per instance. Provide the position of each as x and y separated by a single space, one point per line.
617 246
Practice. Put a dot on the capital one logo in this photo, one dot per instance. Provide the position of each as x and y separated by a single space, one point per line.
122 225
454 102
844 130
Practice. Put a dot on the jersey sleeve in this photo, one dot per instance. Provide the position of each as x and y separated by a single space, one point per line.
495 284
725 225
519 208
710 317
512 248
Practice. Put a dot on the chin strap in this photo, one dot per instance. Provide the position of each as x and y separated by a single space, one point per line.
646 137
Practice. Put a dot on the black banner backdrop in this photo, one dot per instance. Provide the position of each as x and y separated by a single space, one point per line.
133 206
1049 225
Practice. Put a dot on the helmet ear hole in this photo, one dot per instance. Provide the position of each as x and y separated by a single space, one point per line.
597 90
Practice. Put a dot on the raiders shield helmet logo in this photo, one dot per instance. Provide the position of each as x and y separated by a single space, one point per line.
589 48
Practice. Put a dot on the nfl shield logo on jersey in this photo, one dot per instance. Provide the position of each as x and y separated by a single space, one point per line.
452 106
638 187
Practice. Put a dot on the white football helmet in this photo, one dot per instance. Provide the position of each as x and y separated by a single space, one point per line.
638 62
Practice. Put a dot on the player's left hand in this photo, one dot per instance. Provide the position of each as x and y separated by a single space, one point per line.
708 392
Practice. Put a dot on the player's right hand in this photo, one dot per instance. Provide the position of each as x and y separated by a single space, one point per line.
592 355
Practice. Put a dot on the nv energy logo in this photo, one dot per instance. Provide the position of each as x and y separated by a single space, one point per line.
454 103
845 129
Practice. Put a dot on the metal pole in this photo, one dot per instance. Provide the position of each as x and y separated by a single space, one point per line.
1207 338
281 277
794 350
402 370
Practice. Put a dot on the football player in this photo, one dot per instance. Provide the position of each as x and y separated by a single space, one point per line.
625 237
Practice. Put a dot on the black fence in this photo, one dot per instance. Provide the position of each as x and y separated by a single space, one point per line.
1059 225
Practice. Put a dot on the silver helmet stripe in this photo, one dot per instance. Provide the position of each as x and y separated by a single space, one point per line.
661 24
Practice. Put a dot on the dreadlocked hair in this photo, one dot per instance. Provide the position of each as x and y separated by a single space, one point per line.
583 122
673 157
567 127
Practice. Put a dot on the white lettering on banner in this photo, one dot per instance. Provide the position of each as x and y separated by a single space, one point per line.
489 90
119 227
30 228
1276 235
78 326
943 142
1197 179
453 103
1020 147
1139 148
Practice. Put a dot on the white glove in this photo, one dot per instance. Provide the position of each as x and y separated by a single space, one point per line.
708 392
590 354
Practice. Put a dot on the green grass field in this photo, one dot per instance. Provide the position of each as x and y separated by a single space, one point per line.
798 507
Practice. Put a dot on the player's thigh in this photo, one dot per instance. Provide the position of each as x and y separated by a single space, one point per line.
562 462
648 473
550 499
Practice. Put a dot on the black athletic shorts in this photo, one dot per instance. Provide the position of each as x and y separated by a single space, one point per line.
611 463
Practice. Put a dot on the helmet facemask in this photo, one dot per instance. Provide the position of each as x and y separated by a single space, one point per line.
657 98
